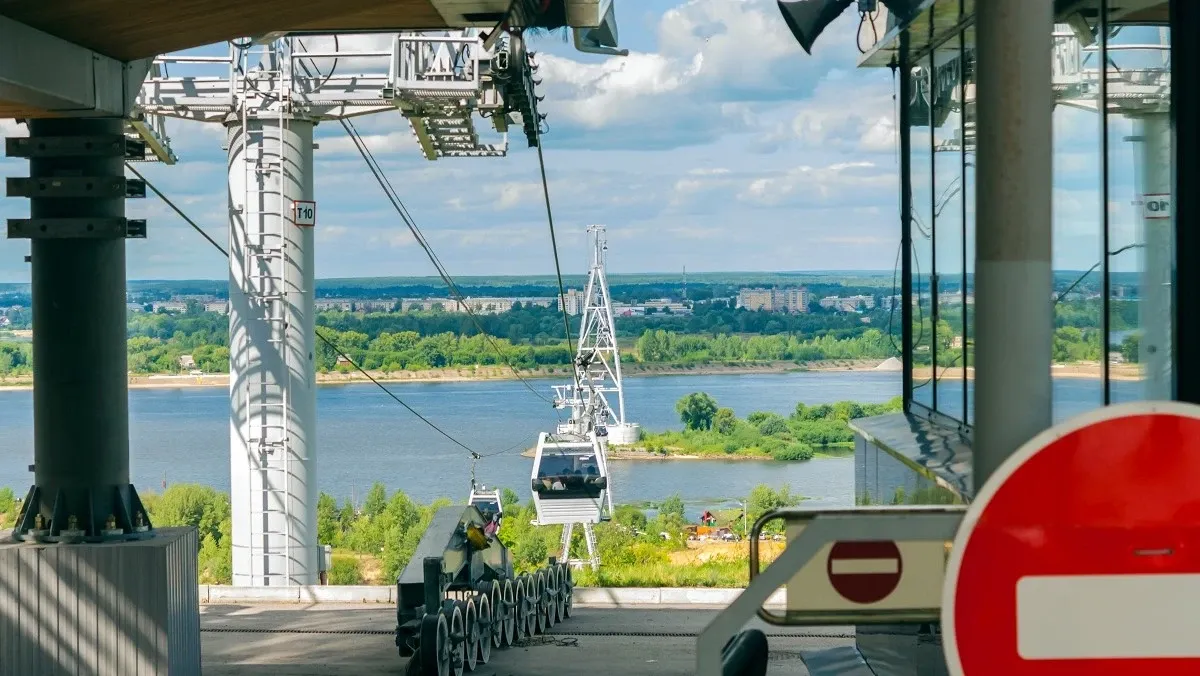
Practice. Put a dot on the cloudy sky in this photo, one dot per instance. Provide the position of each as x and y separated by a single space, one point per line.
717 144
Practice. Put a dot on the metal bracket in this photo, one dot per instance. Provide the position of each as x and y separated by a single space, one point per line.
856 525
76 228
77 186
106 145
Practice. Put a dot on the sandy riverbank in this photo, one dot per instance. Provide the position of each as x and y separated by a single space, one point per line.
1129 372
485 373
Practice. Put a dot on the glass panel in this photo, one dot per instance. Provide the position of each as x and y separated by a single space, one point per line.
922 231
948 227
945 15
1078 219
1141 241
968 194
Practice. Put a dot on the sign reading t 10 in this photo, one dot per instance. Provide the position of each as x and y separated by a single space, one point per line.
304 213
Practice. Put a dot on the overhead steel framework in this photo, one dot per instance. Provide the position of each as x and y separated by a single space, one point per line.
270 96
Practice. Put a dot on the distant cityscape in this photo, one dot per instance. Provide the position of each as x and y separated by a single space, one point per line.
788 299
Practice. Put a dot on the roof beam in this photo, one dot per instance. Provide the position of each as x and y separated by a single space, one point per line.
45 76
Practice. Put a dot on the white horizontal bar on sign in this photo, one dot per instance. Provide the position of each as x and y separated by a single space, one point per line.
1063 617
864 566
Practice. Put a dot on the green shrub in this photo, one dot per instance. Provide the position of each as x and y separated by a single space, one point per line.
345 570
793 452
773 426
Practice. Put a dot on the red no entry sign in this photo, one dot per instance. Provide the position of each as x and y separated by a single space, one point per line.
864 572
1081 554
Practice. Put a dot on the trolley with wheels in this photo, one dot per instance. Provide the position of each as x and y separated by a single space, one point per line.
459 599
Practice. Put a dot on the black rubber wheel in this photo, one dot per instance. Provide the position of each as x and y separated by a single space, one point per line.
488 627
435 645
471 631
508 612
495 595
543 605
532 594
568 598
457 642
520 610
552 591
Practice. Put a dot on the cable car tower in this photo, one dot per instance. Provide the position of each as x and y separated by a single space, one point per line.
598 360
570 472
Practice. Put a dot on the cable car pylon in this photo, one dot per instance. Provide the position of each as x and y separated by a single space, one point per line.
571 479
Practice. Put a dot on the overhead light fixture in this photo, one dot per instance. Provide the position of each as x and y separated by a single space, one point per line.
807 19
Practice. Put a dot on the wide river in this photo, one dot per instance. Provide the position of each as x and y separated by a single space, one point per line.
182 435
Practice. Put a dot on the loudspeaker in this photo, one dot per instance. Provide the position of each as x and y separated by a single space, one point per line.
807 19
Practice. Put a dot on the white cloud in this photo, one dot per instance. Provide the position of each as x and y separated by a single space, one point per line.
845 183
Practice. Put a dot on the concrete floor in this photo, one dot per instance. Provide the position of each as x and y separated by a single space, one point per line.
281 647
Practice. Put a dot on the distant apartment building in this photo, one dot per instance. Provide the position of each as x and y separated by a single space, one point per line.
575 301
791 299
848 303
662 305
348 305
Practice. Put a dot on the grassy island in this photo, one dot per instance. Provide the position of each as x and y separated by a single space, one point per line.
714 432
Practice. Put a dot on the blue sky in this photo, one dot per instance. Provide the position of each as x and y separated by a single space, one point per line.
716 145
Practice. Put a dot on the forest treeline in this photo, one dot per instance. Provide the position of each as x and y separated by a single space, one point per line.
530 337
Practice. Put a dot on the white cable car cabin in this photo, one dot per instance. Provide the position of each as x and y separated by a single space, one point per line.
570 480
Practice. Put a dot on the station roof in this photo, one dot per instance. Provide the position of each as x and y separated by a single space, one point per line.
126 30
69 39
935 20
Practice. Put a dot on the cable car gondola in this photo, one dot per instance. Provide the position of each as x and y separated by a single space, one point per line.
570 479
490 506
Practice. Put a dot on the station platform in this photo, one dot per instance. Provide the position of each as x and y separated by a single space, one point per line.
328 639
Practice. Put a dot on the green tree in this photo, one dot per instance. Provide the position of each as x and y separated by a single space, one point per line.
763 499
376 500
193 505
1129 348
630 517
509 497
696 410
329 529
672 506
724 421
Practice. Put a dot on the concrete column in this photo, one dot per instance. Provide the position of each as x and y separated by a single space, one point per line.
1013 282
80 390
273 406
1157 258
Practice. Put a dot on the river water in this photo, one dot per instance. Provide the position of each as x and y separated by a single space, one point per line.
181 435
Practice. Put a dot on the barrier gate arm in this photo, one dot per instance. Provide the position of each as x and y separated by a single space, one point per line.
855 525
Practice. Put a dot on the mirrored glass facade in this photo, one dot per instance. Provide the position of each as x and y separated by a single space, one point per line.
1112 220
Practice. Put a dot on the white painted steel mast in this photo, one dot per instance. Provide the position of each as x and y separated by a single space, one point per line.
597 368
269 97
598 359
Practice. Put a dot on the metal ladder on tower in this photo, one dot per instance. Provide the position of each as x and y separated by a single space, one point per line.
589 538
264 250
